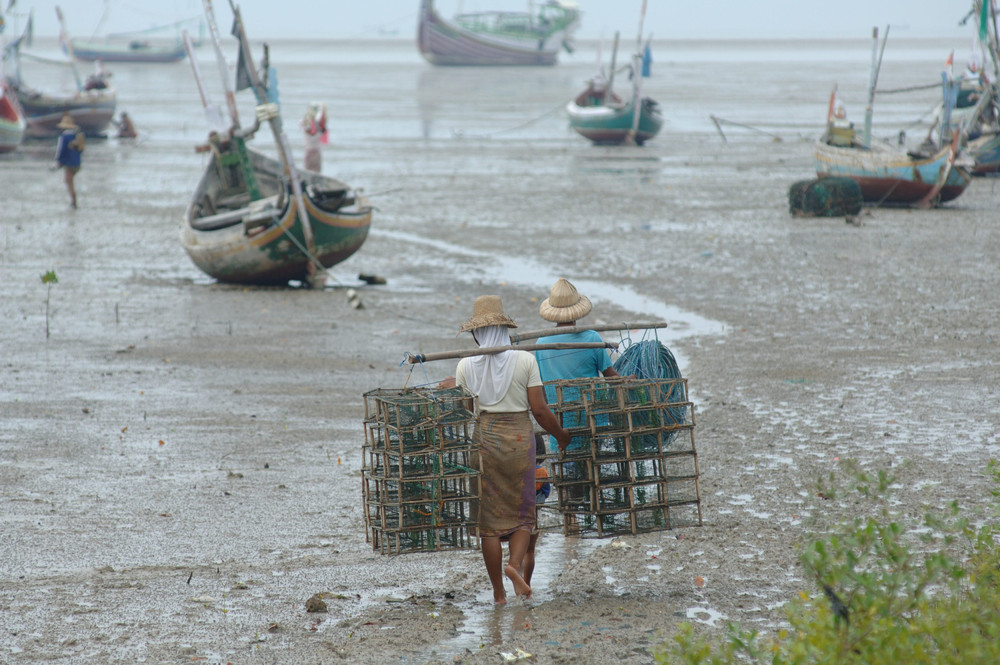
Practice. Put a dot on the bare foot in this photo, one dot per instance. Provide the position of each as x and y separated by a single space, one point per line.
502 600
521 587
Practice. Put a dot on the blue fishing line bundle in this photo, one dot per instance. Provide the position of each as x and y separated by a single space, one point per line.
649 359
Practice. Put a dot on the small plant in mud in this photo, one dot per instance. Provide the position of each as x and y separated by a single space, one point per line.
48 279
887 592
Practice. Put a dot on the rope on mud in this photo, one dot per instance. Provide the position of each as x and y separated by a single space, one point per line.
460 134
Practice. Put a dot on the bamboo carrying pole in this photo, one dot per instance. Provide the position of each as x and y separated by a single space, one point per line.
490 350
567 330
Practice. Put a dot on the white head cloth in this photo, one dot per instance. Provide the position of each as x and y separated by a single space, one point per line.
489 376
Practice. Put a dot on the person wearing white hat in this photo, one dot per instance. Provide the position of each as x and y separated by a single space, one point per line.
507 386
69 153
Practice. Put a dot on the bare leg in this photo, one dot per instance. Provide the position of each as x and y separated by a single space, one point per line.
518 547
529 559
493 558
70 186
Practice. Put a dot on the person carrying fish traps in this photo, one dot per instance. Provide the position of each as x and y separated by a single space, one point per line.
626 470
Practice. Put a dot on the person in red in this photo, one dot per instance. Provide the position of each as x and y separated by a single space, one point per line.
69 153
314 128
507 387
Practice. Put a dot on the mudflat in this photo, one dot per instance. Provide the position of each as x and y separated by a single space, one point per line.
180 460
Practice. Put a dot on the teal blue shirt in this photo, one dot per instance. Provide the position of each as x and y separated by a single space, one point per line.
560 364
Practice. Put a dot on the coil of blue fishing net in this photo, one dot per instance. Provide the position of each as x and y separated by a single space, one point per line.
649 359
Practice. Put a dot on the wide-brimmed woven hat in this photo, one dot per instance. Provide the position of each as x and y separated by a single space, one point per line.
66 122
564 303
487 311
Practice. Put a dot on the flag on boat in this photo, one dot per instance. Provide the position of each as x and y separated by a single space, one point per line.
243 80
647 61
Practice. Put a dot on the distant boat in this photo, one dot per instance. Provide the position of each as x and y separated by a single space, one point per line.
257 220
888 174
125 47
92 106
498 37
135 50
603 117
12 123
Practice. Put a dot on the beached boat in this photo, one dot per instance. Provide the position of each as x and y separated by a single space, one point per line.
887 174
92 105
12 123
258 220
253 233
603 117
498 37
92 109
600 115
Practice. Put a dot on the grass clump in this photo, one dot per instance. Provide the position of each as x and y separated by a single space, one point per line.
886 592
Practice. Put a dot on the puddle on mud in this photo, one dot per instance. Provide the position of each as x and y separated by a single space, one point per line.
487 625
526 272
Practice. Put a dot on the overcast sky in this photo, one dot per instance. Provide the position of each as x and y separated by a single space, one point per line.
665 19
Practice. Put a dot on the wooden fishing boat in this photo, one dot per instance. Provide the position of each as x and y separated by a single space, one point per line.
603 117
124 47
889 175
12 124
886 174
92 105
498 37
252 233
92 110
600 115
136 50
258 220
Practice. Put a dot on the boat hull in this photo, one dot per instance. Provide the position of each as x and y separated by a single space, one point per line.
274 253
12 123
95 51
91 110
445 43
606 125
888 176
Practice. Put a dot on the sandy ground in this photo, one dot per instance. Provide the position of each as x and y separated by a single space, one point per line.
180 460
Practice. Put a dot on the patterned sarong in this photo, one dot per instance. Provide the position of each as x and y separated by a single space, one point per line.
506 444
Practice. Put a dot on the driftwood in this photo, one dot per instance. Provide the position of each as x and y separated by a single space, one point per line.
567 330
483 351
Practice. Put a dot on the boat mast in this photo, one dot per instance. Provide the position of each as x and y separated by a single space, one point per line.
64 36
872 81
270 112
611 74
220 60
212 112
636 79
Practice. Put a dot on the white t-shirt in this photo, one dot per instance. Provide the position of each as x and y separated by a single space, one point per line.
525 376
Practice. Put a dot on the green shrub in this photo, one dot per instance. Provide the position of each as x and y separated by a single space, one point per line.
887 592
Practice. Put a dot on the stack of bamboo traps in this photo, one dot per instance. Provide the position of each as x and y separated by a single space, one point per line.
419 470
631 466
